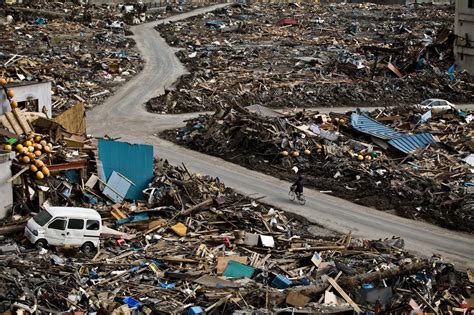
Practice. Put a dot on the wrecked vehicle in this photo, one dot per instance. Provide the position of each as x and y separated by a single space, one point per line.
65 226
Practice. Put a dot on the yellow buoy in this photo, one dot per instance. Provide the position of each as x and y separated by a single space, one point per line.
342 121
360 157
38 138
284 153
39 163
295 154
307 152
28 143
39 175
45 171
7 147
19 147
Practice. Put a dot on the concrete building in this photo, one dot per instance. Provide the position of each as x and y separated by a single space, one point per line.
464 30
35 96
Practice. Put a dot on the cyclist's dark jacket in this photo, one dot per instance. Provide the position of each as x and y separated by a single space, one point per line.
299 186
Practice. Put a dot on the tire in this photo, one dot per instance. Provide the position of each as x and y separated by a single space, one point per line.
291 195
87 247
302 200
41 243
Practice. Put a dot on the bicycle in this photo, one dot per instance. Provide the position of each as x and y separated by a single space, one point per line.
292 195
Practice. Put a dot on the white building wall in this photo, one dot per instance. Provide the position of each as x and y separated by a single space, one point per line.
40 91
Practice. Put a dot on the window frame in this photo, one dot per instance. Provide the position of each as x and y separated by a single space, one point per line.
74 228
94 222
56 220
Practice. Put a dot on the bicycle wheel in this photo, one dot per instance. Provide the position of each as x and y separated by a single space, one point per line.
302 200
291 195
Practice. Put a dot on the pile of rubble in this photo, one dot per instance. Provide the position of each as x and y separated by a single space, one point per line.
198 247
294 55
176 242
395 158
116 15
84 62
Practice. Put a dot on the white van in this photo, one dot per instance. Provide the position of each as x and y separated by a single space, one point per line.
65 226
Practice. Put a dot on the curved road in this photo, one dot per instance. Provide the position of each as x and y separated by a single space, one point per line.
123 115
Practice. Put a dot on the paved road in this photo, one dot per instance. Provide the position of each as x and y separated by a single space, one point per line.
123 115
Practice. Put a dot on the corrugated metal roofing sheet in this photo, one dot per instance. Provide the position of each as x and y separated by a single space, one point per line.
134 161
410 143
372 127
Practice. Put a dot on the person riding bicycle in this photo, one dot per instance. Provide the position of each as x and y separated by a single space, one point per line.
298 187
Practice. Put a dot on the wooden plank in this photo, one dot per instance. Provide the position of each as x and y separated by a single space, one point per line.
22 121
344 295
14 126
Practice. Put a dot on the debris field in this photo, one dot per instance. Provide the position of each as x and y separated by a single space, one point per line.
425 172
306 55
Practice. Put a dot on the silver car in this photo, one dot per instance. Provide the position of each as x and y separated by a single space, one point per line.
436 105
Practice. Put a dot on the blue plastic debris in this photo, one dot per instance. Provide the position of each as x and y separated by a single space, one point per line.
131 302
167 285
367 286
451 72
195 310
40 21
238 270
281 282
135 218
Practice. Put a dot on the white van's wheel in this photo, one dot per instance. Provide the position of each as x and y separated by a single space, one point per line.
41 243
87 247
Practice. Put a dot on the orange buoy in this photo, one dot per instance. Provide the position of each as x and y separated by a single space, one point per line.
10 93
33 168
45 170
39 163
3 81
14 104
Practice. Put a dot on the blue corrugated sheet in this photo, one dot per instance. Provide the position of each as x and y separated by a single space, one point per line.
134 161
400 141
407 144
372 127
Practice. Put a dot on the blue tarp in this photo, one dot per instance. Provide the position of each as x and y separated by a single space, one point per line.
134 161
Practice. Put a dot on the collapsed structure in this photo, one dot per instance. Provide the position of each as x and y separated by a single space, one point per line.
306 55
190 245
395 158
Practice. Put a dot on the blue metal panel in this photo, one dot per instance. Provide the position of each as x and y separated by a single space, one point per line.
134 161
372 127
407 144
